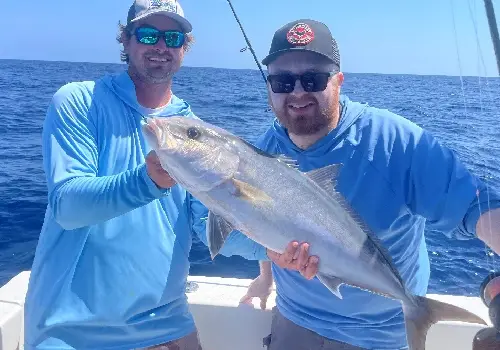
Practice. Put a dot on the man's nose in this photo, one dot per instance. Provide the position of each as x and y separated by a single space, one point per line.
298 89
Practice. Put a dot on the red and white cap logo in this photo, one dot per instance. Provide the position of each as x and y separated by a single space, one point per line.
300 34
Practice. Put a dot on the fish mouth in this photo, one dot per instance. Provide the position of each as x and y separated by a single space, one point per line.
153 133
160 136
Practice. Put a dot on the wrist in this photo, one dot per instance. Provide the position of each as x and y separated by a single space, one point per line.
266 278
266 272
153 188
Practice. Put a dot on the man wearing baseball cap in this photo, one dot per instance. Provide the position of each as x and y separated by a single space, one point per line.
394 175
111 264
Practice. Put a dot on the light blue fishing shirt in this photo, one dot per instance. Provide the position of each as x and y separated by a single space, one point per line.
111 264
399 179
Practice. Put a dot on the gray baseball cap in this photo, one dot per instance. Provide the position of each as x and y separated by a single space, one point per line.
171 8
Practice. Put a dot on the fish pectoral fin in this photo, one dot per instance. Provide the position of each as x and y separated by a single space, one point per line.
332 283
217 231
248 192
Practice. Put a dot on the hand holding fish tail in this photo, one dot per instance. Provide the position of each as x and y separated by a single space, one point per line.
155 171
296 257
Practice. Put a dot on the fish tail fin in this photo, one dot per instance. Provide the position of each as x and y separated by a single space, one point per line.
423 312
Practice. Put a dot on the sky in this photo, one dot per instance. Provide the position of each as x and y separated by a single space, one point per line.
374 36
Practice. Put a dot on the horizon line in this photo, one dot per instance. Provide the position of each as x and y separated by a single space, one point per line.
253 69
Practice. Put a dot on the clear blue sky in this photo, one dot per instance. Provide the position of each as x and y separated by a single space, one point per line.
381 36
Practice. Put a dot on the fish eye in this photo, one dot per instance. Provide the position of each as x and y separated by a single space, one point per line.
193 133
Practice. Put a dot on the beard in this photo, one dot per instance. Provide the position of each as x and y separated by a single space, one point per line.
312 121
150 72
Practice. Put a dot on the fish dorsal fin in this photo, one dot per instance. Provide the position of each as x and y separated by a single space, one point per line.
282 158
327 178
217 231
292 163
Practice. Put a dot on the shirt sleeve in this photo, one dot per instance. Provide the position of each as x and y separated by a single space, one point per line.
443 191
236 243
77 196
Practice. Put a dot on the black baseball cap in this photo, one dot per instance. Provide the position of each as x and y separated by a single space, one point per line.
304 35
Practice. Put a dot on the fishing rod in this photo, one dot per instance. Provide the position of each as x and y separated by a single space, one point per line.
248 41
492 22
489 338
489 291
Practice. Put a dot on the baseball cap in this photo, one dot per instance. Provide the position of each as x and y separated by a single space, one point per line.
304 35
171 8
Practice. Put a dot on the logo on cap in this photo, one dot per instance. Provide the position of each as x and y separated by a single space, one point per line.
300 34
166 5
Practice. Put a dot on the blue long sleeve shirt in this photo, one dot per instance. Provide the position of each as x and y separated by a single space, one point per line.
399 179
111 263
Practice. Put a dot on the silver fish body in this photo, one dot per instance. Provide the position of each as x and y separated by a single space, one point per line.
266 198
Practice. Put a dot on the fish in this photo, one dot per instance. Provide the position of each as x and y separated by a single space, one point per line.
267 198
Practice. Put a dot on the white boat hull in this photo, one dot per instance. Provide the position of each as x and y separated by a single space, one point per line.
217 298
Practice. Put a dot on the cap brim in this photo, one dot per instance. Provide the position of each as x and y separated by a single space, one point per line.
271 57
184 23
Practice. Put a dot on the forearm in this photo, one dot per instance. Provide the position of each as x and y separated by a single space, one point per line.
239 244
266 270
488 229
85 200
77 195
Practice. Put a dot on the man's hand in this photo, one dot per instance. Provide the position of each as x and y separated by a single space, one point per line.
488 229
261 288
296 257
159 176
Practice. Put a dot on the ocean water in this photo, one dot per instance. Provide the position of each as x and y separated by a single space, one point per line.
461 113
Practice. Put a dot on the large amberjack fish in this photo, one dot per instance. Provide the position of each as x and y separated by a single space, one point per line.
268 199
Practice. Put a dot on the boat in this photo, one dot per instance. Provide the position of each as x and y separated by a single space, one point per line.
218 298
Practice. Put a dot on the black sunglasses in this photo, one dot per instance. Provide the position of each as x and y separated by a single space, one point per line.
151 36
311 81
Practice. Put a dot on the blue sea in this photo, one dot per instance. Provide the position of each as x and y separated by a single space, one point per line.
461 113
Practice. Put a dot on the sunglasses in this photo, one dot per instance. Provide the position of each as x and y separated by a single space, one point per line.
151 36
311 82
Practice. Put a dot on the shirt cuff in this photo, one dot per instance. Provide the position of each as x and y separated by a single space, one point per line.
261 253
156 191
